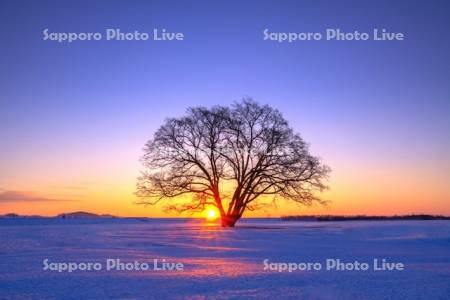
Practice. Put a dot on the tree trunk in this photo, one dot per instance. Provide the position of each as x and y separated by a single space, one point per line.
229 221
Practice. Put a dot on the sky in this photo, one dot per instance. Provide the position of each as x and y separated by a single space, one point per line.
74 117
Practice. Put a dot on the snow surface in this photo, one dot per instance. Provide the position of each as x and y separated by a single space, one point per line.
223 263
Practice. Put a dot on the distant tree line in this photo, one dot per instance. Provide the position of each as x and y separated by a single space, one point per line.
364 218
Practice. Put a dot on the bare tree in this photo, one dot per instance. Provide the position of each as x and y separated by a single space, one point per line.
230 158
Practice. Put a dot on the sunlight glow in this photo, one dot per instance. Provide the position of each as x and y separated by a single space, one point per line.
211 215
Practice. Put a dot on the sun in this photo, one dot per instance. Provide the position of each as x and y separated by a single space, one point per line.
211 214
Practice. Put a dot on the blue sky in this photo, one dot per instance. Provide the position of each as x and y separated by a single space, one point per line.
80 112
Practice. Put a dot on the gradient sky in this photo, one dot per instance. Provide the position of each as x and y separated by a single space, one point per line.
74 117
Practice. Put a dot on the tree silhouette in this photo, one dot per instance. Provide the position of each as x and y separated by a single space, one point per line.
230 158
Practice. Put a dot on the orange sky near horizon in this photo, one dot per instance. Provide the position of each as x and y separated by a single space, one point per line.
370 188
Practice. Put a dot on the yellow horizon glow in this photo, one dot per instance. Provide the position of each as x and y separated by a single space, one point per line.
359 188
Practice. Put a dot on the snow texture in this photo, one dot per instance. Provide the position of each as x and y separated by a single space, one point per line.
223 263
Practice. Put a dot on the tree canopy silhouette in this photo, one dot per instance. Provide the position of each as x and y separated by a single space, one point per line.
230 158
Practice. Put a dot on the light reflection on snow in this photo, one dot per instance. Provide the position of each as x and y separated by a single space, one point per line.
222 262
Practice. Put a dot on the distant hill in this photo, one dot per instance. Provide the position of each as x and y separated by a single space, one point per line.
83 215
364 218
14 215
71 215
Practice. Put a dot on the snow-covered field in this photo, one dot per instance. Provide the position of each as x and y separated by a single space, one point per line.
223 263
